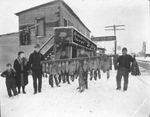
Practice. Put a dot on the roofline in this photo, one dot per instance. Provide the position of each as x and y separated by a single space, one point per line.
35 7
75 15
101 48
52 3
8 34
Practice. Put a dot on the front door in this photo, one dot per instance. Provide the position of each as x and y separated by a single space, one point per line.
74 52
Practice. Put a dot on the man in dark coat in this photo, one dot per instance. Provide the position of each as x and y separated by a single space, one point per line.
85 74
123 65
65 75
36 67
21 67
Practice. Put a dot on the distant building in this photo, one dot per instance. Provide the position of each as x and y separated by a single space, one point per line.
36 25
101 50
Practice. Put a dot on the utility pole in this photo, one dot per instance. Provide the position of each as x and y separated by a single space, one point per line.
149 8
149 15
114 28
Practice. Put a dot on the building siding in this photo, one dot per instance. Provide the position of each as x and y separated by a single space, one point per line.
73 21
50 12
8 49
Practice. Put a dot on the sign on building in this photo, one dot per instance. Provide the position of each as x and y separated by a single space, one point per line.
105 38
70 35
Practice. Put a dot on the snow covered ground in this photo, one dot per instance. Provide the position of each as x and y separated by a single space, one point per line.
100 100
143 58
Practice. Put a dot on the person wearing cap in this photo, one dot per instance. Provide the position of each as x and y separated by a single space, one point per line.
123 68
36 68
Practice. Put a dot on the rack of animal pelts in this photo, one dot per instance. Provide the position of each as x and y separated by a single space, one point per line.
92 65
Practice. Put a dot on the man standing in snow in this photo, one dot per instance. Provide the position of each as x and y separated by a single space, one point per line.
36 67
85 73
124 65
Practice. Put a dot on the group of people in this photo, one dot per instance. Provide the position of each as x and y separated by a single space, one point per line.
17 75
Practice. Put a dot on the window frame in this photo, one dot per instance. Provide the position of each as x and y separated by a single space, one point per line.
36 20
64 22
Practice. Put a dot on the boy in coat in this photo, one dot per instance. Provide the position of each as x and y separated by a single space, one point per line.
9 73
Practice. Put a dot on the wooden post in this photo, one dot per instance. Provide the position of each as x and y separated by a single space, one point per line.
114 29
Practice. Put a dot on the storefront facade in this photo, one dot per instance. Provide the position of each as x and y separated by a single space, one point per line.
72 41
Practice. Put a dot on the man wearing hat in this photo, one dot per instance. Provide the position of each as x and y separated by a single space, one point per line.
123 65
36 67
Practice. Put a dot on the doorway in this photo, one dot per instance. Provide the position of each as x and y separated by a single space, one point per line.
74 52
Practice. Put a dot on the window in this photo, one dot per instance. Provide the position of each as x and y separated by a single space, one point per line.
40 27
25 36
65 22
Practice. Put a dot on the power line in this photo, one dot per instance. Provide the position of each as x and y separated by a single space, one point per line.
114 28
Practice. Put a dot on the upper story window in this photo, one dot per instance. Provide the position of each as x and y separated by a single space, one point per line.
65 22
25 36
40 27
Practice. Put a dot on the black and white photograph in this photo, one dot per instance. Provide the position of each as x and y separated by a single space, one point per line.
75 58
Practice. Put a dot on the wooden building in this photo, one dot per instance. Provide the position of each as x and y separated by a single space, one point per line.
101 50
36 25
43 18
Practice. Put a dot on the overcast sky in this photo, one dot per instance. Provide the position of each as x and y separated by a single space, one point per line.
96 14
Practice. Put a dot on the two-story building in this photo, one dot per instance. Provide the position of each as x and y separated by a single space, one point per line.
36 25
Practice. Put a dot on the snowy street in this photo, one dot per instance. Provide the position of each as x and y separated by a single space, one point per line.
45 43
100 100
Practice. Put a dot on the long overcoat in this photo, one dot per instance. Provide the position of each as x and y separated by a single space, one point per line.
19 70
